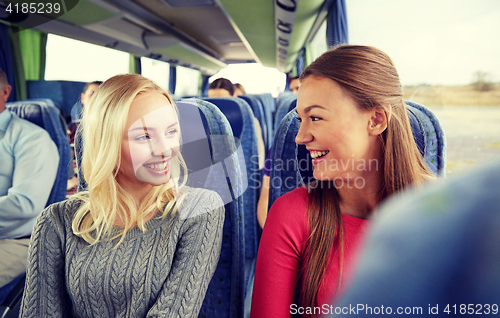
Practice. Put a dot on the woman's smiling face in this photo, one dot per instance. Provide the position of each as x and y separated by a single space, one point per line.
150 142
334 130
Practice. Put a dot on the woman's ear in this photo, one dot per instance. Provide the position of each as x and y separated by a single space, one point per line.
379 119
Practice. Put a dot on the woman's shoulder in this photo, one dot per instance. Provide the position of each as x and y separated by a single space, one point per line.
59 214
291 206
65 207
197 201
297 198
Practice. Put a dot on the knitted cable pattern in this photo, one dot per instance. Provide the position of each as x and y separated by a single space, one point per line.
163 272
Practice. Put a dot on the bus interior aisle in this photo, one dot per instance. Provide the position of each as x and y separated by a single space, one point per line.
233 69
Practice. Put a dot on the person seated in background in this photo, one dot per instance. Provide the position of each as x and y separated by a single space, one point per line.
239 90
263 203
28 167
76 115
353 121
222 87
262 206
294 84
139 242
434 252
88 91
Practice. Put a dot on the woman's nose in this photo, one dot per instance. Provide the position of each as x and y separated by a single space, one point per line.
303 135
163 146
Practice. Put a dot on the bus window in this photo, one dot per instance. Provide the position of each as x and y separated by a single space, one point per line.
255 78
73 60
187 81
156 71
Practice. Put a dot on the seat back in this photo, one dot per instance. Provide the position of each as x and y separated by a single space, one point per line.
291 163
11 296
429 137
226 291
241 119
286 103
213 161
44 114
269 107
76 111
258 112
64 94
283 95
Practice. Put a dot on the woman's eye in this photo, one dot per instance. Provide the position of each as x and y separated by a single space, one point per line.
142 138
299 119
314 118
172 132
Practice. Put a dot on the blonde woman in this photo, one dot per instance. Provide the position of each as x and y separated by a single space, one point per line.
353 121
138 243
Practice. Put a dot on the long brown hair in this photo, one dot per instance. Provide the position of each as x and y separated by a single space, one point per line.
369 77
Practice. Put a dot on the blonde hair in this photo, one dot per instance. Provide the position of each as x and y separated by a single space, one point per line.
369 77
105 201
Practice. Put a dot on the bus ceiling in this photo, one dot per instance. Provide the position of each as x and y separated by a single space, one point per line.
201 34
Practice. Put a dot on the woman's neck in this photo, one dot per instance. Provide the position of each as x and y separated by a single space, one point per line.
359 200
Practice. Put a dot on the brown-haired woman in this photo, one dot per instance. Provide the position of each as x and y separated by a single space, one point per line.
354 123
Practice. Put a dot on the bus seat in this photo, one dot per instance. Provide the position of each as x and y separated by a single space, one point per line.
268 101
287 104
269 107
240 117
64 94
11 296
226 290
429 137
44 114
258 111
78 146
76 111
291 163
283 95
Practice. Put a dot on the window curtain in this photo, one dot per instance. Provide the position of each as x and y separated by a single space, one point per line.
336 29
203 85
19 81
297 69
6 59
32 45
172 79
134 65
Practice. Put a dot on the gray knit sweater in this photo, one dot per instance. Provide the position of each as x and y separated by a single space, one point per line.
163 272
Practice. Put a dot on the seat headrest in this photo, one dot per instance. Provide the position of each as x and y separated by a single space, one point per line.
230 108
30 111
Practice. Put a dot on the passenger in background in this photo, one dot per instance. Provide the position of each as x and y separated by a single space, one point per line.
239 89
76 115
355 125
294 84
222 87
28 167
262 206
88 91
138 243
